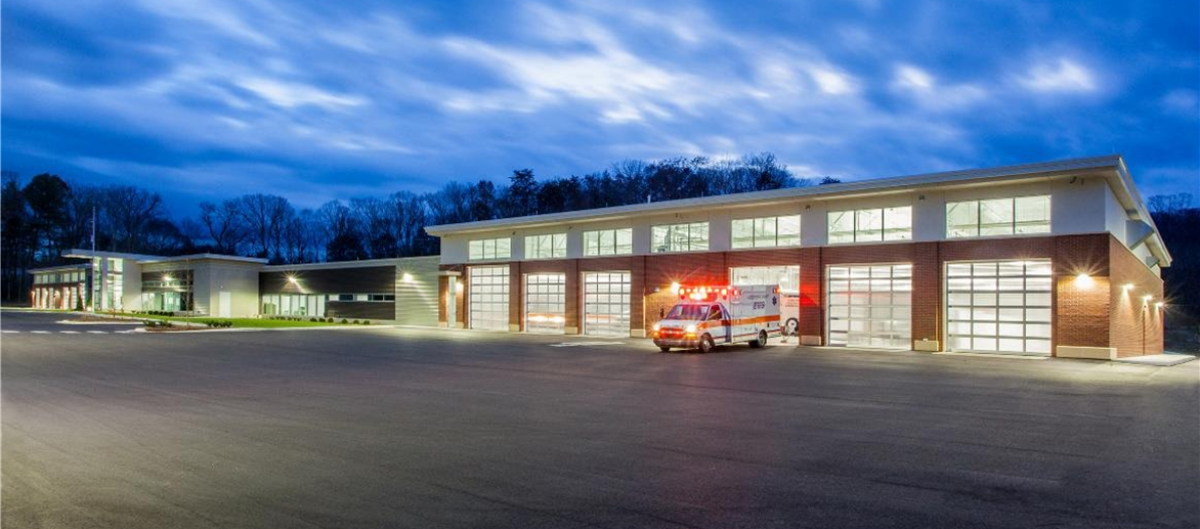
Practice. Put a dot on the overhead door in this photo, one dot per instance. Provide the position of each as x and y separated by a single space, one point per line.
606 303
787 278
870 306
545 303
488 297
999 307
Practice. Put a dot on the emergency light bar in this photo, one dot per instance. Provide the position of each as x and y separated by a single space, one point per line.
705 293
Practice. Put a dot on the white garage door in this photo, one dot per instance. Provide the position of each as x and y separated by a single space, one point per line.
545 303
999 307
489 297
606 303
871 306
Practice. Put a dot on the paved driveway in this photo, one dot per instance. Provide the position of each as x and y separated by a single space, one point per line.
423 428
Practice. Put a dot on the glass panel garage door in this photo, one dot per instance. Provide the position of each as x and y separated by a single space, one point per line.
606 304
787 278
545 303
871 306
999 307
489 297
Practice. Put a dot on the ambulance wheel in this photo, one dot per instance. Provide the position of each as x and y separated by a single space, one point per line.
761 341
706 344
790 327
664 349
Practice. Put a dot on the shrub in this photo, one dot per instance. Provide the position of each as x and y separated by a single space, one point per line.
366 322
355 322
330 319
344 321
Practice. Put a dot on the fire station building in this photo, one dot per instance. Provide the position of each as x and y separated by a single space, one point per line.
1058 258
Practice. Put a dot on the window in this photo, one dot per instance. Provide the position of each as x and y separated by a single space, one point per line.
345 297
549 246
688 237
766 232
869 225
490 249
608 242
1002 216
381 297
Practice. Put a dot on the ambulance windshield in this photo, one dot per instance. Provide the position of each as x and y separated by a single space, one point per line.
688 312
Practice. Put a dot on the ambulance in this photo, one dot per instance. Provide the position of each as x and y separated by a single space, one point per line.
706 317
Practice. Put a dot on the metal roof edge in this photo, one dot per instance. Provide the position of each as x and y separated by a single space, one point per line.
348 264
815 192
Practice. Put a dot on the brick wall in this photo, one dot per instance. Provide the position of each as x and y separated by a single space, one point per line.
1081 310
1135 325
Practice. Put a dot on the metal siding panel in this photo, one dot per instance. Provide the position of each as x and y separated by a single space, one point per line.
417 302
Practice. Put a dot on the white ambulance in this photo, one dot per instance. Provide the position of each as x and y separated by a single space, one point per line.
709 316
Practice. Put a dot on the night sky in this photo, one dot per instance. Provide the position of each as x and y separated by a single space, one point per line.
331 100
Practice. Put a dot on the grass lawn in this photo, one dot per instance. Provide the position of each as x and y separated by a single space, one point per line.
255 323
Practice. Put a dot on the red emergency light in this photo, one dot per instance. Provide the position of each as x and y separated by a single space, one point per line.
707 293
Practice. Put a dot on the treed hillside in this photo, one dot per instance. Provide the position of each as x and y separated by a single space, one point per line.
48 213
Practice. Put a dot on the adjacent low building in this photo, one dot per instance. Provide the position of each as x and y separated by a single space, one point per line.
1058 258
391 290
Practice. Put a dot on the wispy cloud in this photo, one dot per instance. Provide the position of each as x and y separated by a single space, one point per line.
1062 76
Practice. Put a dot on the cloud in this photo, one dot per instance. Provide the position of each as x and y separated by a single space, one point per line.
1062 76
371 97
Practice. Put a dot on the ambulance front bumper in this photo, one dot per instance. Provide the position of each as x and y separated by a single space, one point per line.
685 343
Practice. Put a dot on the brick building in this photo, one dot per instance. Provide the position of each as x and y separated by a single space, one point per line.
1058 258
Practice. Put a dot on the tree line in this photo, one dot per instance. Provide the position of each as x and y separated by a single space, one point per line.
48 214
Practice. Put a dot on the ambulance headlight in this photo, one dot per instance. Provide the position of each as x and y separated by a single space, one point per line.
691 329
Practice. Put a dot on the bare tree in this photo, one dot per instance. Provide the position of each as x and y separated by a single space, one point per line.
224 225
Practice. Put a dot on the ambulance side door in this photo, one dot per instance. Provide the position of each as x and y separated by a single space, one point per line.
719 319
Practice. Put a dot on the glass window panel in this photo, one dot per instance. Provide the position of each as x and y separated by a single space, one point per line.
841 226
743 233
1014 345
897 224
996 217
1037 346
868 225
1037 330
764 232
698 237
789 230
958 270
624 241
1011 329
1006 314
962 219
591 243
1038 268
1037 315
607 242
1033 214
984 269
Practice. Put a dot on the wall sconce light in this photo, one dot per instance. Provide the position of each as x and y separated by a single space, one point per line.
293 280
1160 305
675 287
167 277
1147 298
1128 286
1084 281
407 277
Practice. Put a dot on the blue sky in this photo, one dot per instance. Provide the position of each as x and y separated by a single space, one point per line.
322 100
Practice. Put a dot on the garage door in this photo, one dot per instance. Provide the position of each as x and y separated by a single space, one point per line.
787 278
606 304
489 297
999 307
545 303
870 306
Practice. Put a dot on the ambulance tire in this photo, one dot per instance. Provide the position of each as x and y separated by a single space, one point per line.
706 344
761 341
791 328
664 349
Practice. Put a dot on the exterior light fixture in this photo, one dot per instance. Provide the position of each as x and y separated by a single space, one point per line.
1159 305
1084 281
1147 298
1128 286
293 280
167 277
407 277
675 287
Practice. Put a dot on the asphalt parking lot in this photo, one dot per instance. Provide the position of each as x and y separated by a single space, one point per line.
375 427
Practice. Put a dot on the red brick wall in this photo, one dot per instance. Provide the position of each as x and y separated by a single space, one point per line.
1081 312
1135 325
